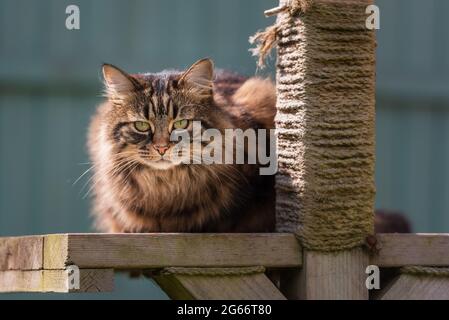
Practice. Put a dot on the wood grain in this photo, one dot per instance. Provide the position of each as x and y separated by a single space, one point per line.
396 250
21 253
242 287
146 251
91 280
328 276
411 287
56 251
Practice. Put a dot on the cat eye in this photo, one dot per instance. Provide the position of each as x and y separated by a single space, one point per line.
142 126
181 124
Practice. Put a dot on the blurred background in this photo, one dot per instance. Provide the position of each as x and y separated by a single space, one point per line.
50 85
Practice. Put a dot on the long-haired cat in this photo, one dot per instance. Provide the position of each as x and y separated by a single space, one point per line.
138 184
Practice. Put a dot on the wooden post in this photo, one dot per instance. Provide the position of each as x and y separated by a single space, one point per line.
326 142
328 276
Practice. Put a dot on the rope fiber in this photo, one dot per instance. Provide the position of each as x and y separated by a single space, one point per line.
213 271
325 122
426 271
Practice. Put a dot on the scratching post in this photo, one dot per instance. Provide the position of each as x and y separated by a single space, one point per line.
325 121
326 142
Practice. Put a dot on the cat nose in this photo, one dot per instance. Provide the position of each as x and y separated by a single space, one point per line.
161 148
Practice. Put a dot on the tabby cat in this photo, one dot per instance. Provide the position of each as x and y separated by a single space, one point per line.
138 185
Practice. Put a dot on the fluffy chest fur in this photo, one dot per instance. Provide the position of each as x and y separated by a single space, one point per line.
145 200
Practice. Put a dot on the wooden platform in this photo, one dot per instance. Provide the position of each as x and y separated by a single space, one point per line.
39 263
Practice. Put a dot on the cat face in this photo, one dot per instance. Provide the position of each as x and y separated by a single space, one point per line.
147 108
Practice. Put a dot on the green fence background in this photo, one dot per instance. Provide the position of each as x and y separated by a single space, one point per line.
50 85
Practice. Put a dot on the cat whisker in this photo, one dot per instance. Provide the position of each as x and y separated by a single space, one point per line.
84 163
121 165
81 176
86 184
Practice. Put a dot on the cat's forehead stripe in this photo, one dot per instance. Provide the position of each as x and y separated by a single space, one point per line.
152 109
165 102
170 108
148 91
159 97
154 103
161 108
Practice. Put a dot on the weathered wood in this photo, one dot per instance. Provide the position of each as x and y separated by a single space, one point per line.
328 276
202 287
21 253
146 251
91 280
56 251
396 250
412 287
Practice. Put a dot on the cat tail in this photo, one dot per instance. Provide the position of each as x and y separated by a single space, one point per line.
259 98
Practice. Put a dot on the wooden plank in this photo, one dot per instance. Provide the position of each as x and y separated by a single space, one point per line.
91 280
328 276
21 253
396 250
241 287
146 251
56 251
411 287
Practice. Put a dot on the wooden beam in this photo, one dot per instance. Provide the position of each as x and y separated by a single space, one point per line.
397 250
56 254
91 280
147 251
203 287
21 253
328 276
412 287
143 250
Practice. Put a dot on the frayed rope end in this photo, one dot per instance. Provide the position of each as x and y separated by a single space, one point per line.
266 39
296 6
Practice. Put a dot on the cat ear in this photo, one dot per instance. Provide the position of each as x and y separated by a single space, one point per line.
117 82
199 77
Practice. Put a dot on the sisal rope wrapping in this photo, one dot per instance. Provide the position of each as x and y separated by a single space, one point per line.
325 123
426 271
213 271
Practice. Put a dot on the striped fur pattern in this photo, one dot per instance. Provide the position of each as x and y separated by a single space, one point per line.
138 188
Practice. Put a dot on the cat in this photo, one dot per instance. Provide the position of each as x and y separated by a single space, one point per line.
390 221
138 186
